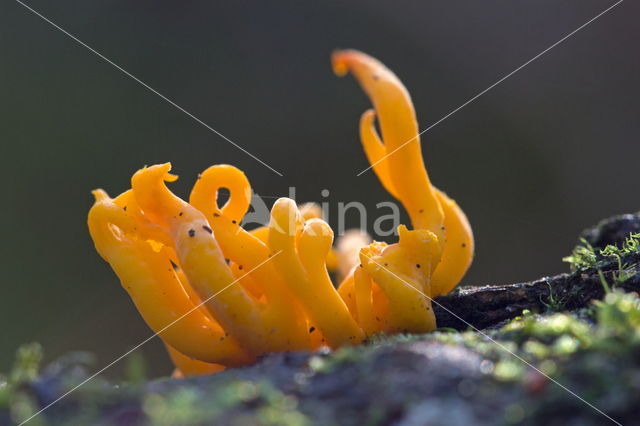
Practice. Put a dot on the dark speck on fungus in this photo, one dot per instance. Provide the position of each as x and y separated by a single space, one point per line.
192 232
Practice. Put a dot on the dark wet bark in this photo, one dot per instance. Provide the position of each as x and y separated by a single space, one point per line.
482 307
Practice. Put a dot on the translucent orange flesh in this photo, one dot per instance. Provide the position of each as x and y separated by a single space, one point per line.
220 296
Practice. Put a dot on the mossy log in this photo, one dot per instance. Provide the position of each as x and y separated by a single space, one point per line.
487 306
435 378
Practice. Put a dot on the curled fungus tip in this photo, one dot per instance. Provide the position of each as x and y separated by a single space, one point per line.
100 195
345 60
172 254
338 63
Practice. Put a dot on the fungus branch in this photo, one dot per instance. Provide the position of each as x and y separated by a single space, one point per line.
241 294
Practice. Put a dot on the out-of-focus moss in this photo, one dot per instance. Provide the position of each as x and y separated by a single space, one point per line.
325 363
135 368
592 352
14 396
192 405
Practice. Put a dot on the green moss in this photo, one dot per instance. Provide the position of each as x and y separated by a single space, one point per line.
547 341
546 329
13 396
195 405
383 339
630 245
554 303
349 354
27 363
618 318
583 256
135 368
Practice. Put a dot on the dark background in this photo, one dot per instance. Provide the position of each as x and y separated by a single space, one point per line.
546 153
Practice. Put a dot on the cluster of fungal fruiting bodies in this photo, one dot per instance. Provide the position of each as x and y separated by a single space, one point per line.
219 295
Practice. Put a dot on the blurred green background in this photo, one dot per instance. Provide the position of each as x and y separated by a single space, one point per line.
548 152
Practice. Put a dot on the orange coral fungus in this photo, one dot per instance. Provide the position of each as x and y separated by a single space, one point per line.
220 296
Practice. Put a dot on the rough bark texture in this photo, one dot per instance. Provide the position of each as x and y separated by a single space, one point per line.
481 307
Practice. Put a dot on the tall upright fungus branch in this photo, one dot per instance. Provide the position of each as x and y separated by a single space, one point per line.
220 296
397 281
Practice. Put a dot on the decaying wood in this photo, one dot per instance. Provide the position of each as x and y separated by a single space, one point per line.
483 307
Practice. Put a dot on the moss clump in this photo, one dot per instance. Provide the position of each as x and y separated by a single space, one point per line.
326 362
585 256
554 302
192 405
15 397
